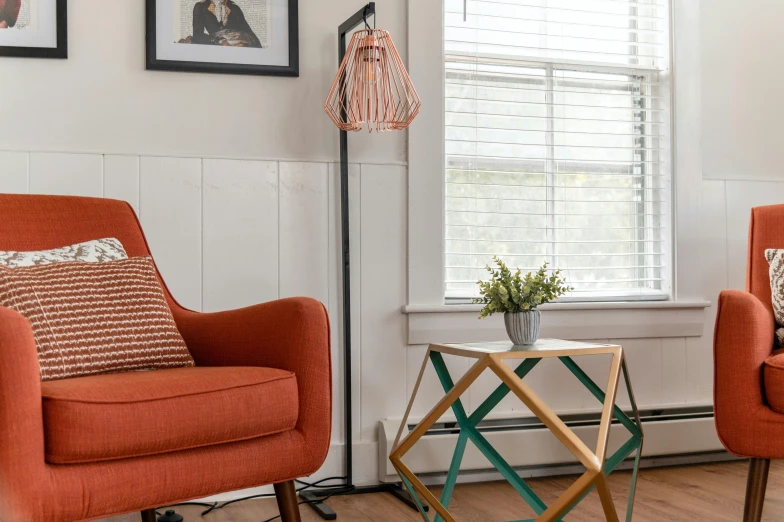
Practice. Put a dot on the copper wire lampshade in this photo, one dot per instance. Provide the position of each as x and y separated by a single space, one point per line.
372 86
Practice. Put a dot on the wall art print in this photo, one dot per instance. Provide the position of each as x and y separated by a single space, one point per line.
223 36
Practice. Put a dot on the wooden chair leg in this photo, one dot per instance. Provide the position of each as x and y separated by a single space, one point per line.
755 489
286 495
148 515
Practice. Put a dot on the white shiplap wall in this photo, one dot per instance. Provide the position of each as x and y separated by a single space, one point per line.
229 233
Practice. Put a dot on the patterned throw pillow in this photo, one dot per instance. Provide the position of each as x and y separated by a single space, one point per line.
775 258
96 251
90 318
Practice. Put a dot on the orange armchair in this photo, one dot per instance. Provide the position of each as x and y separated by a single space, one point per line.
749 374
255 410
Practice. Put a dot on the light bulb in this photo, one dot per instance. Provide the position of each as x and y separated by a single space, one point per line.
371 61
371 73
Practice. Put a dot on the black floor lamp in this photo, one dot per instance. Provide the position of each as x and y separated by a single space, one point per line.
372 89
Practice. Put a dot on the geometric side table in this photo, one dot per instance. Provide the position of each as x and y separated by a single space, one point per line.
491 356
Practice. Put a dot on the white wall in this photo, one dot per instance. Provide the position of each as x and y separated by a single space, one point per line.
742 112
152 141
742 107
102 99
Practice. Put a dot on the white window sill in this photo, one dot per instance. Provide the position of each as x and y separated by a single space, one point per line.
580 321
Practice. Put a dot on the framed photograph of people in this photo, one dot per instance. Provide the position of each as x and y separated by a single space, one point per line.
34 28
223 36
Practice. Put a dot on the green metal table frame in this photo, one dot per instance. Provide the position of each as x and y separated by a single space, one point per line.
469 431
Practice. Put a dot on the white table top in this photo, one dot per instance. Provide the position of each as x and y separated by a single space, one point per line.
542 348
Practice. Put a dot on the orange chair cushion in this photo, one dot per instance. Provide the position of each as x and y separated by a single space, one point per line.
121 415
773 377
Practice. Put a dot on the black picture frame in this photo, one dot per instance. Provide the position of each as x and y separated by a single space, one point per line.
291 70
59 52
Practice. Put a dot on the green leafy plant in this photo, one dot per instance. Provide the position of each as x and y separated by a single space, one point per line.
514 292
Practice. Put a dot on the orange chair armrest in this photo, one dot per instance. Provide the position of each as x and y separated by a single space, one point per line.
291 334
21 417
743 340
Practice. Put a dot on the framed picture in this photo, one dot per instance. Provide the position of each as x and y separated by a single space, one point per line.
34 28
223 36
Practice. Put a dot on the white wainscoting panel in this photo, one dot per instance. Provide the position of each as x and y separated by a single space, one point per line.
66 174
489 381
13 172
699 364
121 178
384 242
716 277
643 358
598 369
171 215
714 238
742 196
561 390
430 389
674 365
335 305
304 230
240 219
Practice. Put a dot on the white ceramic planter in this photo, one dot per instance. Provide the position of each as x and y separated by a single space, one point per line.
523 327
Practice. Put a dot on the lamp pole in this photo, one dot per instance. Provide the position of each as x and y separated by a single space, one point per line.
315 497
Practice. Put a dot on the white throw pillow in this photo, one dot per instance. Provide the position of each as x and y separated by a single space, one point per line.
96 251
775 259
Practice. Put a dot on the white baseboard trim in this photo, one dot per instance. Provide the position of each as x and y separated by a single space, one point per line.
537 448
433 454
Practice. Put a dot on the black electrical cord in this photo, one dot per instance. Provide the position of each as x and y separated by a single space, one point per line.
318 483
305 485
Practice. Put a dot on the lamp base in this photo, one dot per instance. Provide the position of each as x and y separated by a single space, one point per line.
326 512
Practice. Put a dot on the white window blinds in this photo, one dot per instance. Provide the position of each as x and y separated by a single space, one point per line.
557 143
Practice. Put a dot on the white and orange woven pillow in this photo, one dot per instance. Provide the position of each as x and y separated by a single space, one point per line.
95 317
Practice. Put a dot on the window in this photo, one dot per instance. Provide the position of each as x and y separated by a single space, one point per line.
558 143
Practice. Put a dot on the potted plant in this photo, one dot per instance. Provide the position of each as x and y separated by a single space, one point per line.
518 297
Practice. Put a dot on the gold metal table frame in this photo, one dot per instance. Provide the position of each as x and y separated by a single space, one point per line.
492 356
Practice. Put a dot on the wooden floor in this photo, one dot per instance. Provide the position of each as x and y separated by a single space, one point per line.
696 493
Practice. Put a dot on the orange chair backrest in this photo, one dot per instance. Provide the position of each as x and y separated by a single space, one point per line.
766 230
36 222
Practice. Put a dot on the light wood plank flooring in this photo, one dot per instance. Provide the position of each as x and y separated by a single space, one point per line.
695 493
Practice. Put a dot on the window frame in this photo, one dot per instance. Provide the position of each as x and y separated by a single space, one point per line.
427 169
551 69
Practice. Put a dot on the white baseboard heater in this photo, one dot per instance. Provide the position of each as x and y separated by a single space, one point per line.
672 436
